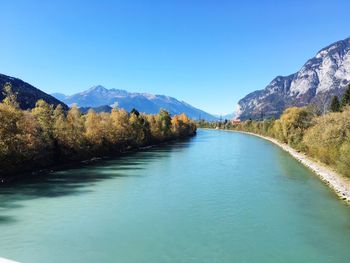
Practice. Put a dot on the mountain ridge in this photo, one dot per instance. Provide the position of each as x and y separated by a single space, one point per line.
100 98
27 95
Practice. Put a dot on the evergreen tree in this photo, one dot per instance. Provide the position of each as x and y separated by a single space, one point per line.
135 111
335 104
165 122
346 97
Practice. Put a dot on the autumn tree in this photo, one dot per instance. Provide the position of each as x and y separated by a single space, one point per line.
19 133
121 127
93 129
72 132
43 113
294 122
10 96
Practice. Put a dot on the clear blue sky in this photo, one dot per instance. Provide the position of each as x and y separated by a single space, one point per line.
208 53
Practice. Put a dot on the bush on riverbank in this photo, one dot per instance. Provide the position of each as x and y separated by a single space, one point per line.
329 140
46 135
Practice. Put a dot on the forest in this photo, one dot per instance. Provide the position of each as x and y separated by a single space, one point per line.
324 136
46 135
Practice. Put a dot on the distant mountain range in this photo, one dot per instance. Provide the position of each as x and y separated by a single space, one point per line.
102 99
27 95
229 116
323 76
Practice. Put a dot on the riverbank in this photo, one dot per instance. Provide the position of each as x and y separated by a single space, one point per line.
69 164
337 182
45 136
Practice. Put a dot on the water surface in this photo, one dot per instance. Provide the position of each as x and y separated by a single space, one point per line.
218 197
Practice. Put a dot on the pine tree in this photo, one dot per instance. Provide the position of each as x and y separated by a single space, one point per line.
346 97
165 122
335 104
135 111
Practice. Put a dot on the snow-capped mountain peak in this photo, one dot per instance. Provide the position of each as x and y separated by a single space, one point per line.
101 98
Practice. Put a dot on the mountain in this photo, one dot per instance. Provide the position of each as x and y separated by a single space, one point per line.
59 96
323 76
229 116
27 95
99 96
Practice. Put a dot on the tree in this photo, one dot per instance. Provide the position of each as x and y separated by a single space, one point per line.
294 122
139 135
19 134
155 131
121 127
93 132
325 138
10 97
346 97
74 131
135 111
58 131
335 104
165 122
59 124
182 126
43 114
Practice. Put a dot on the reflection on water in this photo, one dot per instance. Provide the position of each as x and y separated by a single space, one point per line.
77 180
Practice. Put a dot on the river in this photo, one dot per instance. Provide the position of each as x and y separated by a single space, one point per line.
217 197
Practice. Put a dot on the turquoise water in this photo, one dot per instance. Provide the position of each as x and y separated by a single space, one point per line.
218 197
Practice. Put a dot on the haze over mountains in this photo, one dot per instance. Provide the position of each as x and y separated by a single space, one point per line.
323 76
103 99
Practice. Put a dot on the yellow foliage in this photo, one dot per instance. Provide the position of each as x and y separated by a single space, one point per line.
45 135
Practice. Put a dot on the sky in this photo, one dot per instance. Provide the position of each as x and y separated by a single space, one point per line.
207 53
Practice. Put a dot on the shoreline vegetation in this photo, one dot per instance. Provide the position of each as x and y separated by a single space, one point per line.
308 134
46 137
